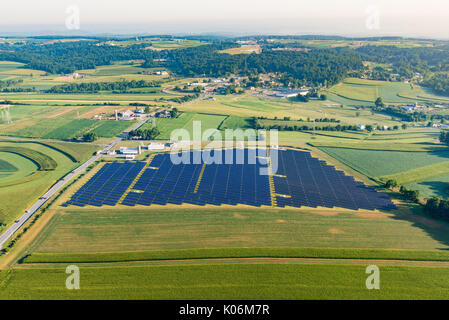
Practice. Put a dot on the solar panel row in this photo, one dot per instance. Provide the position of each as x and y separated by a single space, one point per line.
312 183
219 184
234 178
108 185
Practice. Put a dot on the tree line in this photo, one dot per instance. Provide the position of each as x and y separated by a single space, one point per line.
144 134
92 87
444 137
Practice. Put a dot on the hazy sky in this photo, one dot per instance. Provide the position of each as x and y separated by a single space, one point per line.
348 17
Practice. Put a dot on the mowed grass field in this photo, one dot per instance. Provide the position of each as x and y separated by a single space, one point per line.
122 230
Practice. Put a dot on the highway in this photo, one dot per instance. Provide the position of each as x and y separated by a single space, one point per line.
59 185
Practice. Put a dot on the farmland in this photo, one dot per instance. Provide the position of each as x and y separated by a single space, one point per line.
382 163
217 251
186 121
227 281
97 231
38 166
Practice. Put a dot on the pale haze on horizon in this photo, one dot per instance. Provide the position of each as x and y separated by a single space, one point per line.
348 17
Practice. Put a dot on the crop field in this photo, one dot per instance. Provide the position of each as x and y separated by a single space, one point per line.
356 92
110 128
39 165
251 106
117 230
377 163
61 129
39 80
437 186
227 281
61 123
243 49
220 252
235 122
369 91
186 121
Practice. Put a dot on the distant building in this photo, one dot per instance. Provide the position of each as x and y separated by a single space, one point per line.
286 93
156 146
361 127
161 73
129 151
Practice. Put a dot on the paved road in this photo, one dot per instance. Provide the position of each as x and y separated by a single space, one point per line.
61 183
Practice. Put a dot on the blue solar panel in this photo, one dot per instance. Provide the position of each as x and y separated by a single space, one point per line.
108 184
311 182
235 179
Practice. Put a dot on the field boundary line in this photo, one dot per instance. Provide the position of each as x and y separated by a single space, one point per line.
197 186
147 165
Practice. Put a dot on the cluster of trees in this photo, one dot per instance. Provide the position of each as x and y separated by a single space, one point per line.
6 90
10 83
407 61
145 134
185 99
412 195
174 113
437 208
90 137
92 87
398 112
303 127
306 127
332 120
444 137
438 83
317 67
66 57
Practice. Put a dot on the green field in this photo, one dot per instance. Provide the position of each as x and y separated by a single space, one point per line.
225 252
7 167
110 128
39 166
354 91
116 230
377 163
227 281
438 186
166 126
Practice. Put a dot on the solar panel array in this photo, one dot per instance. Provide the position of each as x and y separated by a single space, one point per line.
108 185
202 183
300 180
311 182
